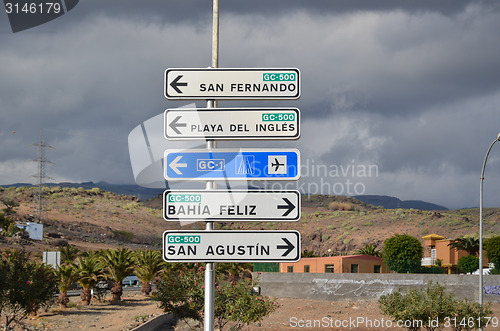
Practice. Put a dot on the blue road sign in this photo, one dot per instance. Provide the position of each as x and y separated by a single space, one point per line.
232 164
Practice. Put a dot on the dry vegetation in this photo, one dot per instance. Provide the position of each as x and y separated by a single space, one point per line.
97 219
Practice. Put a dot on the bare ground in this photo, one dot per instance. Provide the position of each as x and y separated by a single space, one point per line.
293 314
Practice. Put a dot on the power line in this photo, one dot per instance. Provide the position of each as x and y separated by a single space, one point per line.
41 176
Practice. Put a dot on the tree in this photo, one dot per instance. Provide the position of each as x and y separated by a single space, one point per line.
117 264
42 286
234 302
235 271
68 254
492 246
148 264
403 253
9 206
369 250
468 264
27 286
89 271
182 294
468 244
66 275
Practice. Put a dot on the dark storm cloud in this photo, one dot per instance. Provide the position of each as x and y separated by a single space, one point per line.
409 86
191 10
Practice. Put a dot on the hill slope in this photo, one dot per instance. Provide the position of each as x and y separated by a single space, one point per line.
92 218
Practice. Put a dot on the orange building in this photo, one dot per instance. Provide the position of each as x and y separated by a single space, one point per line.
337 264
436 248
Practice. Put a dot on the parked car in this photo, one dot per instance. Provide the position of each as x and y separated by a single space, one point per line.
130 280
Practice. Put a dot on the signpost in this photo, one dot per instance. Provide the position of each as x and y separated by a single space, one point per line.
211 164
232 123
232 164
238 205
231 246
232 83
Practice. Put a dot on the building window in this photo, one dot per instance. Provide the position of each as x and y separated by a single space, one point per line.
289 269
354 268
329 268
376 269
306 268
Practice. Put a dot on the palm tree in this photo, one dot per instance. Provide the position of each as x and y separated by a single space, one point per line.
68 254
235 271
117 264
468 244
89 271
148 264
66 275
369 250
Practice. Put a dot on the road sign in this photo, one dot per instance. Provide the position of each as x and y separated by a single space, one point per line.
232 164
236 205
231 246
232 83
232 123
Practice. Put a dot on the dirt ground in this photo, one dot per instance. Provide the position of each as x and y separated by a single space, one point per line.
293 314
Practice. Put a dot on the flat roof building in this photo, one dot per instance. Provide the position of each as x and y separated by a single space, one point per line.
337 264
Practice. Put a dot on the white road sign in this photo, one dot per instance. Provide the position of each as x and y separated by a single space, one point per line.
236 205
232 83
232 123
231 246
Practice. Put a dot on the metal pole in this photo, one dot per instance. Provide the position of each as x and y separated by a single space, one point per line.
481 225
208 324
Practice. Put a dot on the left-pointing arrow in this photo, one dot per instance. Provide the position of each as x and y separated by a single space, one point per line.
289 247
174 124
175 84
175 165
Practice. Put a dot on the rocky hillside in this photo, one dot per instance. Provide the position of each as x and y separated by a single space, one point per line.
93 218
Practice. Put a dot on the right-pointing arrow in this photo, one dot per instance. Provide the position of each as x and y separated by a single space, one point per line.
174 125
289 206
175 165
289 247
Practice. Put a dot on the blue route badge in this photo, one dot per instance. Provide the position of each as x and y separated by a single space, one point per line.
232 164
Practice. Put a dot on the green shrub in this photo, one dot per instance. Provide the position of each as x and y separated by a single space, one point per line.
403 253
26 286
492 246
340 206
468 264
432 308
123 235
431 270
181 293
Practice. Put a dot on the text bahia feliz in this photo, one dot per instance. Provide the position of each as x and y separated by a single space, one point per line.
204 210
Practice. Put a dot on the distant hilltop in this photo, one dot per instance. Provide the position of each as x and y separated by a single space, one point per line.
125 189
143 193
393 203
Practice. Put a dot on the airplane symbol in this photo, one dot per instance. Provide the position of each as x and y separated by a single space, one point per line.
277 164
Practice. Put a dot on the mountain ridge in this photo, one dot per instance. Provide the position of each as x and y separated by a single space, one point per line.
143 193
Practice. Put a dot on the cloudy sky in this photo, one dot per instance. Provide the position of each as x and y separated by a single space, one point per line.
399 97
